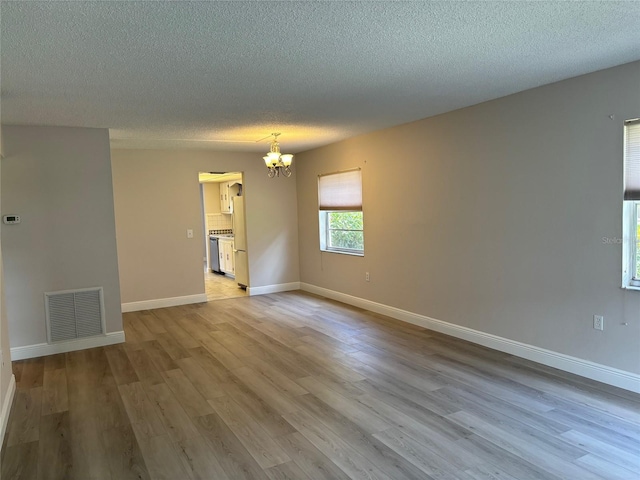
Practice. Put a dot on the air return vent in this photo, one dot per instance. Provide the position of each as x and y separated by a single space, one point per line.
74 314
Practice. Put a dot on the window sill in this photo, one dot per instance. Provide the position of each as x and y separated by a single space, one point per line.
341 252
632 287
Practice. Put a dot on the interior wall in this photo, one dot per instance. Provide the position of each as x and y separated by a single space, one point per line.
59 181
5 355
157 199
495 217
211 197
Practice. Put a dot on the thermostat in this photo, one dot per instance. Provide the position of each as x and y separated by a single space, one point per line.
11 219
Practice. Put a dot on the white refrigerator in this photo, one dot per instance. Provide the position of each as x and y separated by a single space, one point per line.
240 243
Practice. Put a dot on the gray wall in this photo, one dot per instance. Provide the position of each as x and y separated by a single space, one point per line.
157 198
5 357
59 180
492 217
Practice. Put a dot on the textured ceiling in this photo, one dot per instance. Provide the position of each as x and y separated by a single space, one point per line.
222 75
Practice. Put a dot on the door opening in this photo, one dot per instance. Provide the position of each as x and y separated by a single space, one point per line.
224 248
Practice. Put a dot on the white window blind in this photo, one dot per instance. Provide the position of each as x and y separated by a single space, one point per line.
632 160
340 191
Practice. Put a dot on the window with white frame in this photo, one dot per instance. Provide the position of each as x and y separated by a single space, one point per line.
340 212
631 207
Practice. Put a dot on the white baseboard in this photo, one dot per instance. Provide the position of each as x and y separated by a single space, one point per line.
6 407
163 302
585 368
42 349
280 287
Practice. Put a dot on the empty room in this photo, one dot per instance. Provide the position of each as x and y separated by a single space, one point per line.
320 240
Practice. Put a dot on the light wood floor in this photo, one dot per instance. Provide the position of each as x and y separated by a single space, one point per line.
292 386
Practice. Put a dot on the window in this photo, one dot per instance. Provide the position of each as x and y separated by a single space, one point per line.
344 231
631 207
636 256
341 219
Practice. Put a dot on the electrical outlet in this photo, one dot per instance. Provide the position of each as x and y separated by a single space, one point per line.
189 233
598 322
366 276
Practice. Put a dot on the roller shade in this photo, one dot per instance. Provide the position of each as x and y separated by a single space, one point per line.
632 160
340 191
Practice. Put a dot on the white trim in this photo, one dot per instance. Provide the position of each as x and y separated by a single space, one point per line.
629 212
163 302
280 287
42 349
631 287
585 368
6 407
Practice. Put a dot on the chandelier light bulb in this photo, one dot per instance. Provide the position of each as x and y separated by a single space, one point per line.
276 162
286 159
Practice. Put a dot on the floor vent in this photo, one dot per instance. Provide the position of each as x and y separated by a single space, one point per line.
74 314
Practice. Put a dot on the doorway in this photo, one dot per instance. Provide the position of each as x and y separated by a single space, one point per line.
224 246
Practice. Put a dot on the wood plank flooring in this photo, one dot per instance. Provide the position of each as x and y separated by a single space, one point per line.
293 386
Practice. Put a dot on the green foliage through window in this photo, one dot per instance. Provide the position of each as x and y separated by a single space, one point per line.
345 231
637 269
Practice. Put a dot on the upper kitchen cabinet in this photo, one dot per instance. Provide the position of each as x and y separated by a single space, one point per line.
228 190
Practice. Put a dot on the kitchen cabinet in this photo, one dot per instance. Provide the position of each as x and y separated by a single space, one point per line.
220 256
227 264
225 199
228 190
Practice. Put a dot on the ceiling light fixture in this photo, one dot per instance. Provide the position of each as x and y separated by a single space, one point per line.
276 162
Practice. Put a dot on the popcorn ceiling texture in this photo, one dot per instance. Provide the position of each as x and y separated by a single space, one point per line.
221 75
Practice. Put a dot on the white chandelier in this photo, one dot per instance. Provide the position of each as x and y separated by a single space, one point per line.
276 162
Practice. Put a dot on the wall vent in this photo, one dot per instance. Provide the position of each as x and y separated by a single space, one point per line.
74 314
